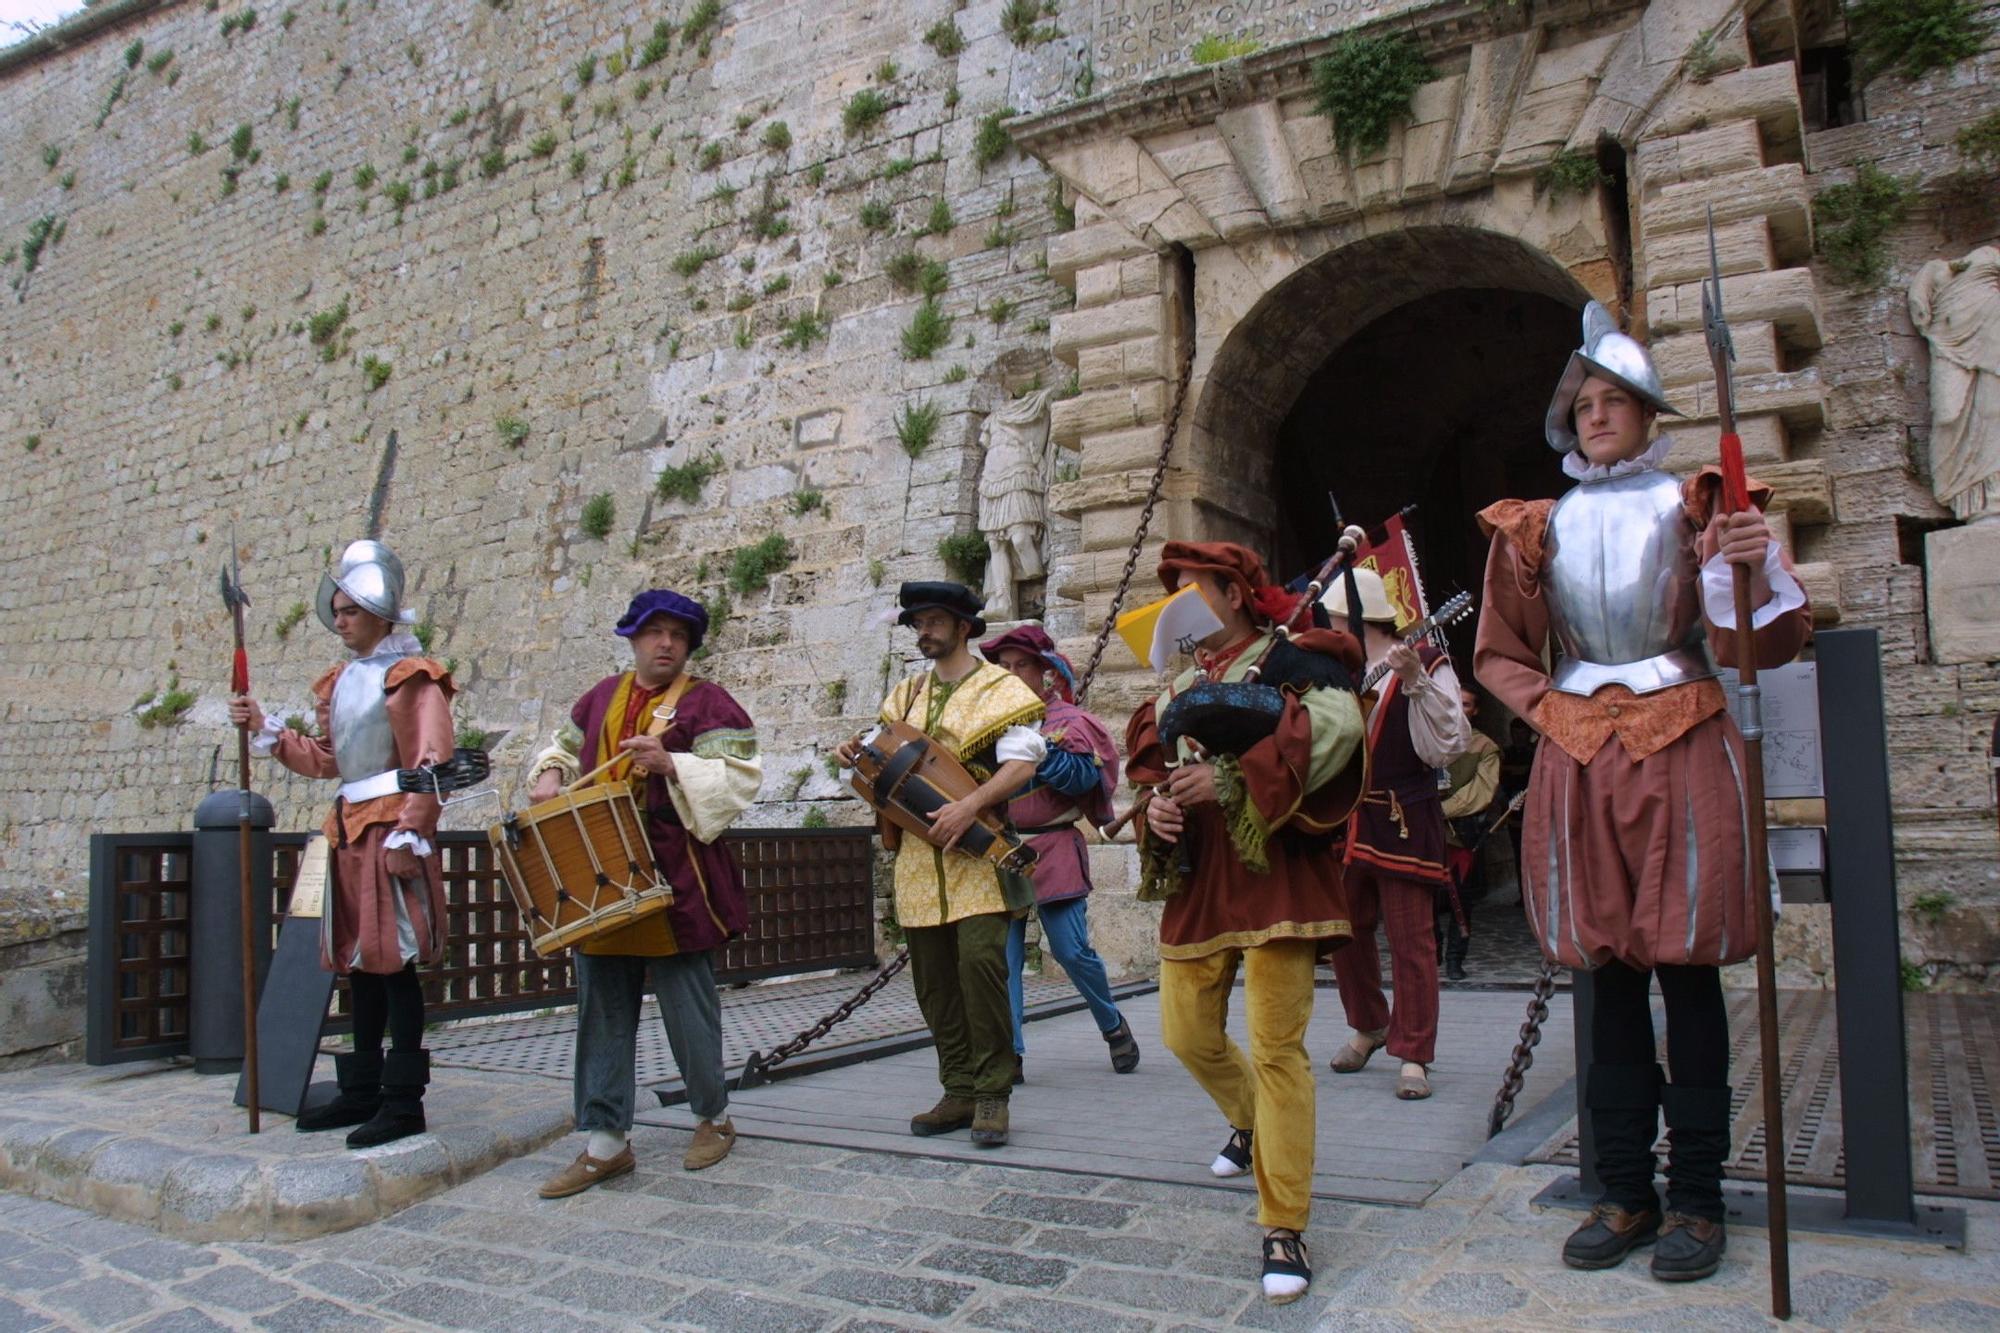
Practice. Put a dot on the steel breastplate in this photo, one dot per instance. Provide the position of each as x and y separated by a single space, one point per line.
1624 587
364 744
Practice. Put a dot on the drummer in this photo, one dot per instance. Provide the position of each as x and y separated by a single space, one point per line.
955 909
690 755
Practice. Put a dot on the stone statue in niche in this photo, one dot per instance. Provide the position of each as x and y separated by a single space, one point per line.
1013 496
1956 306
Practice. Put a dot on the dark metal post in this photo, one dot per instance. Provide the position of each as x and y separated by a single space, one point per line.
1582 1005
1867 955
215 925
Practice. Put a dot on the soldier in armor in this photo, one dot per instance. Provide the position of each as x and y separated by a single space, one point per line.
1396 850
1634 858
388 708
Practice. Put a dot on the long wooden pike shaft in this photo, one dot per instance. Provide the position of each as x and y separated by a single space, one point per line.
1767 977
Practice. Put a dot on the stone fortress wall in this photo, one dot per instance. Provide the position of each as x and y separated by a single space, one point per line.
470 268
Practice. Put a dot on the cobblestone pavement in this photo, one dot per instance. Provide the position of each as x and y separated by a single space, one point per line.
793 1237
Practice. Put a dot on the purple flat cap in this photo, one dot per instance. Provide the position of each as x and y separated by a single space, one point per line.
662 602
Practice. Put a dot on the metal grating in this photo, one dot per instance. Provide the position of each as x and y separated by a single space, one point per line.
1955 1131
811 898
139 937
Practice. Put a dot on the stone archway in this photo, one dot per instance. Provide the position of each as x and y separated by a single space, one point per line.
1417 383
1206 200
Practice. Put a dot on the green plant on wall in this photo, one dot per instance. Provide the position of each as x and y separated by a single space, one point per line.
863 110
916 427
290 620
1913 37
599 512
989 141
928 330
1571 171
1852 220
685 482
964 554
751 567
1365 84
169 707
944 38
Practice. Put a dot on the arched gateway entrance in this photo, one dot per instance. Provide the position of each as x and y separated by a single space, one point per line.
1408 368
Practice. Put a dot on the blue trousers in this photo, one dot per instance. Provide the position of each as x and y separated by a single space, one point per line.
1066 934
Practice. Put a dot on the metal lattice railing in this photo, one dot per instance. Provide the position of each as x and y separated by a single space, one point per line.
810 892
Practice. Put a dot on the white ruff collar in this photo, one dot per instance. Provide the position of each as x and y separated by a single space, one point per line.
1575 465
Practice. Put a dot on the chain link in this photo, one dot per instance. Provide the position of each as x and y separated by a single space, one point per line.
1524 1051
757 1067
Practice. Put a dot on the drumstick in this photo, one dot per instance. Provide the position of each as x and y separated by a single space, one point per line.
661 714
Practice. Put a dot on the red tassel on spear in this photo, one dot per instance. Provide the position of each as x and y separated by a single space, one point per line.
239 683
1736 500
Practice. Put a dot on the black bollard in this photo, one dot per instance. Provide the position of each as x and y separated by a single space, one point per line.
215 926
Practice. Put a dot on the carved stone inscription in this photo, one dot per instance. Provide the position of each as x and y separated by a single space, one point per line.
1134 39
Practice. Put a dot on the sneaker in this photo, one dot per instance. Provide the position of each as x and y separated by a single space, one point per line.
989 1122
1287 1268
1234 1159
1690 1248
1608 1235
585 1172
950 1113
712 1143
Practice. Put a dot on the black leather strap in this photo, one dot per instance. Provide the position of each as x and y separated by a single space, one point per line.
898 768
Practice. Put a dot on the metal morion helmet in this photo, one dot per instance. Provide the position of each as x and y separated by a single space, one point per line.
370 573
1606 352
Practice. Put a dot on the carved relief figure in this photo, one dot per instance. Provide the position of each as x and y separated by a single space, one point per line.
1956 306
1013 490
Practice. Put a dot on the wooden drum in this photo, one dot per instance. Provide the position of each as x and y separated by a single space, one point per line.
579 865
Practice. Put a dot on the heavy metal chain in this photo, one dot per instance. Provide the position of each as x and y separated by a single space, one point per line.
1524 1051
757 1067
754 1069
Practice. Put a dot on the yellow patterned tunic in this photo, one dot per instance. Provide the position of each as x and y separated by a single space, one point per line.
966 717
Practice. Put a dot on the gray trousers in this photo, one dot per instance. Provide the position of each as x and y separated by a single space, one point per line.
609 988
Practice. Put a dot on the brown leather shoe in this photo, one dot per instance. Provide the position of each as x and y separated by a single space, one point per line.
1690 1248
1608 1235
585 1172
712 1143
950 1113
989 1122
1353 1057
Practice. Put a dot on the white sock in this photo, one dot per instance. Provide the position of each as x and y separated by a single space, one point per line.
606 1143
1277 1285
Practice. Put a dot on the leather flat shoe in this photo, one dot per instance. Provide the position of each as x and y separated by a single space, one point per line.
1608 1235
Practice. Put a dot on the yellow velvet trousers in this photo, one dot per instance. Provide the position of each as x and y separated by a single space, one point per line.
1270 1091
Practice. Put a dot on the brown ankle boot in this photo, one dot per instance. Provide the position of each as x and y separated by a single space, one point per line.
989 1122
950 1113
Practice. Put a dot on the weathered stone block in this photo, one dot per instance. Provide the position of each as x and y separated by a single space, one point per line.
1683 256
1777 194
1963 592
1113 322
1682 358
1086 246
1788 298
1699 155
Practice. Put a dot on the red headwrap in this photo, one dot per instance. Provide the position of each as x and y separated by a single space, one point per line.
1241 566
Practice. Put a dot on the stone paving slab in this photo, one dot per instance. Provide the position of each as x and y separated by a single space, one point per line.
821 1239
1074 1114
158 1144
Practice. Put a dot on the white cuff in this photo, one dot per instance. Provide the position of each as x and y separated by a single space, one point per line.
409 838
1020 743
1718 591
265 740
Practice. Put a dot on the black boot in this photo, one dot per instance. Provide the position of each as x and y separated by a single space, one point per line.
1456 943
1697 1146
1623 1104
360 1079
405 1075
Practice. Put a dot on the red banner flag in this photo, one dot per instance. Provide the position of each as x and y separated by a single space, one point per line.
1395 559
